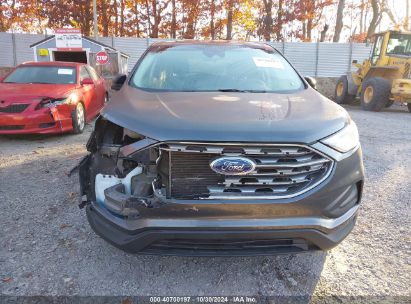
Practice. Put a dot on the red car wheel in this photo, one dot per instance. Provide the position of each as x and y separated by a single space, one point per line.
79 119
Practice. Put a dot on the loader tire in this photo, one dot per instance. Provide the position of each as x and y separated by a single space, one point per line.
341 95
375 94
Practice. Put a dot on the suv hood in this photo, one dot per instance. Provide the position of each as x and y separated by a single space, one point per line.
303 117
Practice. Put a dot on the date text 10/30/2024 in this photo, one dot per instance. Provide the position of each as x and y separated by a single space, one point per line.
203 299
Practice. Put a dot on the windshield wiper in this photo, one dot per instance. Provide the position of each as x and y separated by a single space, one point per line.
241 91
230 90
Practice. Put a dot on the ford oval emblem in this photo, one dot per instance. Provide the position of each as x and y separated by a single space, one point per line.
235 165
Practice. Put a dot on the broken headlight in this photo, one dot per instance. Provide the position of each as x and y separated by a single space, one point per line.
47 102
71 99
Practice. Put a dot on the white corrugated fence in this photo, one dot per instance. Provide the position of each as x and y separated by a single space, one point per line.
322 59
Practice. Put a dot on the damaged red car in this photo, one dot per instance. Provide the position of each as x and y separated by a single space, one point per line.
50 97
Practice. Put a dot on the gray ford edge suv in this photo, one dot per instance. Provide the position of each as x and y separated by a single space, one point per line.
220 148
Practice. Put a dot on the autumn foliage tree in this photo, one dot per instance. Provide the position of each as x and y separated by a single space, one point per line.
8 15
309 12
279 20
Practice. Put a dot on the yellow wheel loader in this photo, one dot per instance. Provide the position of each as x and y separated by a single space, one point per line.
383 78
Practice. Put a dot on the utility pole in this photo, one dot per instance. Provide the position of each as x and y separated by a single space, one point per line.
95 19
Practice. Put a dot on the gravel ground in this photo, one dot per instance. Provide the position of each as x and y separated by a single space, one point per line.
47 247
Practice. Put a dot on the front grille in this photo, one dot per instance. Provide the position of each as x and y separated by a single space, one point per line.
8 128
14 108
281 171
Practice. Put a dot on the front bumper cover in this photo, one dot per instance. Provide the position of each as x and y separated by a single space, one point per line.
42 121
214 238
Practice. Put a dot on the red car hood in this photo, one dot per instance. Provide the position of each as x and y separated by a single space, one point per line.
15 92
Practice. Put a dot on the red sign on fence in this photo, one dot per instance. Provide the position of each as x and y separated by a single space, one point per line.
101 58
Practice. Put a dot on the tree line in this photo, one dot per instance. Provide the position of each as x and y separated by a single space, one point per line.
269 20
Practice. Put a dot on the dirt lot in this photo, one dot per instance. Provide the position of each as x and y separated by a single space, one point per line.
47 247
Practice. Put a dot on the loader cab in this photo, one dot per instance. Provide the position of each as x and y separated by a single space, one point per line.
390 44
399 45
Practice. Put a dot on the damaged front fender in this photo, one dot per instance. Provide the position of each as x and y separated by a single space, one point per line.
116 156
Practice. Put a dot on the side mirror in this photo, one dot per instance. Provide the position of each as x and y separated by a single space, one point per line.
86 81
354 61
118 82
311 81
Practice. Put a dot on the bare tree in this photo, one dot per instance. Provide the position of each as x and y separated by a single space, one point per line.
361 15
122 8
279 22
173 19
115 18
229 19
212 13
339 21
376 18
156 17
324 32
309 28
385 8
268 19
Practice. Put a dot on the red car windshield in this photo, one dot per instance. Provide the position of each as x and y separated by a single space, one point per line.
42 74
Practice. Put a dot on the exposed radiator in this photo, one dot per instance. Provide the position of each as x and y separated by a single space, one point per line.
280 171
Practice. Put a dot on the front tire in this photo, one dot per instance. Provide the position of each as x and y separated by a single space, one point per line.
79 119
341 92
375 94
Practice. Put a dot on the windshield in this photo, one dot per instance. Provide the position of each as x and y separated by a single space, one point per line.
215 68
42 74
399 44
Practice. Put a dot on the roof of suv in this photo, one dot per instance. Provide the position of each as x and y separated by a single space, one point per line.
259 45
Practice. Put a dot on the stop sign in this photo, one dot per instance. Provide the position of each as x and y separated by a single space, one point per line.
101 57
